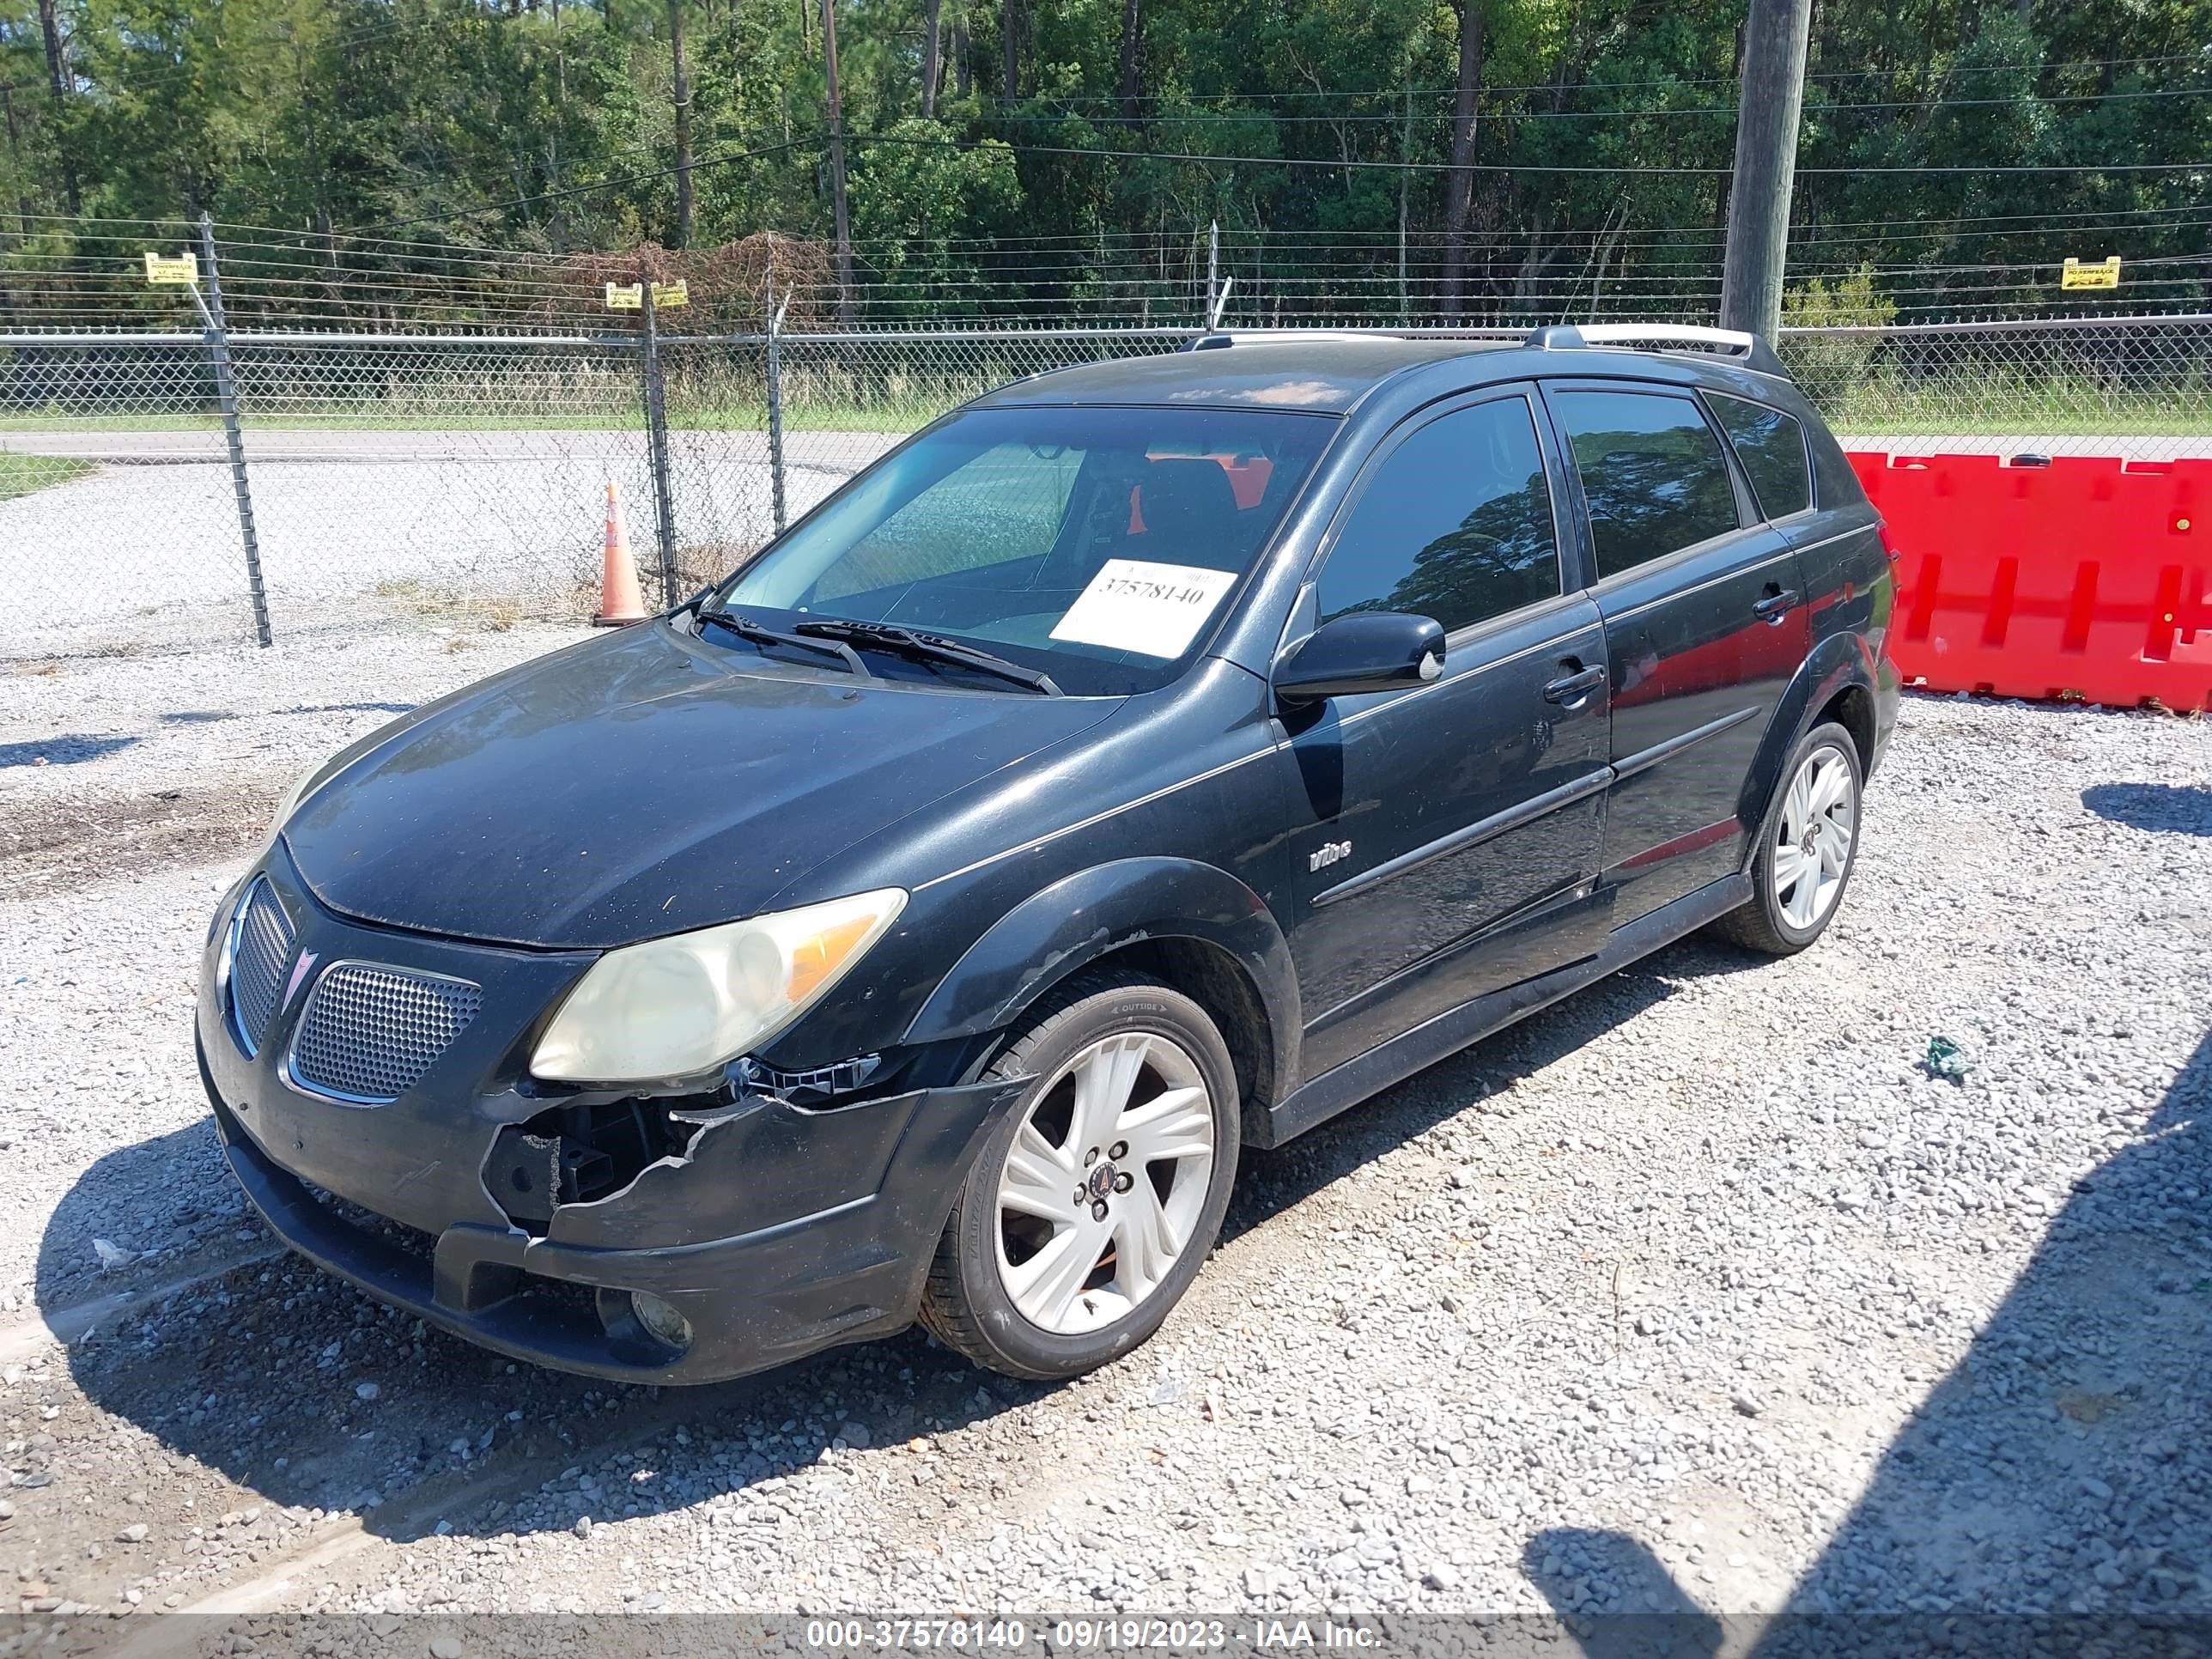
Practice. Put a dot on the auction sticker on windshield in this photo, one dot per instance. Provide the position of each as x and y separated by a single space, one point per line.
1132 605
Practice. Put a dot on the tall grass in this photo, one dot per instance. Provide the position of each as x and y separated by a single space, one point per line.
22 474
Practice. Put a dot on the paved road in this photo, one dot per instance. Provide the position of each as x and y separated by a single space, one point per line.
146 549
837 451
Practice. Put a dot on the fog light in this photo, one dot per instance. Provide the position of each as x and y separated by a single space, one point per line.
661 1320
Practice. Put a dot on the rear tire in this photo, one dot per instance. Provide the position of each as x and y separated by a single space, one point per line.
1134 1103
1808 844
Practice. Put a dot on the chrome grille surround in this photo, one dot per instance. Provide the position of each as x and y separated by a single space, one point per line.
370 1030
261 944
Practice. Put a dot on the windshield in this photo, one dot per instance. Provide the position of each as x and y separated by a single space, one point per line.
1097 544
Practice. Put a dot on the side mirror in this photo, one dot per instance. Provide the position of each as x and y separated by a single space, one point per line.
1365 651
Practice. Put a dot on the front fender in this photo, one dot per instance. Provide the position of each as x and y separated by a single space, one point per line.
1836 662
1079 918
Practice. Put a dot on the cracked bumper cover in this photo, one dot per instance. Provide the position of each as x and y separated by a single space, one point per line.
780 1231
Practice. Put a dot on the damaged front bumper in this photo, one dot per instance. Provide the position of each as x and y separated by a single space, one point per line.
525 1219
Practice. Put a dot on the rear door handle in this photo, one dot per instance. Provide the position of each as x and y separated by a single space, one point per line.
1574 687
1770 608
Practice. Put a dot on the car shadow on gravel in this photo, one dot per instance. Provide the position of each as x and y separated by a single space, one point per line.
166 1203
2057 1476
275 1383
2177 808
281 1384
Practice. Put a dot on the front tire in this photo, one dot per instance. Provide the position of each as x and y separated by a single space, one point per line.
1095 1202
1807 846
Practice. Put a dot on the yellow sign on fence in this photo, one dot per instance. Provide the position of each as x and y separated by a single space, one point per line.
180 272
630 296
2104 273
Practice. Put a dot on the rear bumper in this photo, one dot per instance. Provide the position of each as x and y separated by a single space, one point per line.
779 1229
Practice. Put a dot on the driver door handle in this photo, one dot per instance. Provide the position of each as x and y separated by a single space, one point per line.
1574 687
1770 609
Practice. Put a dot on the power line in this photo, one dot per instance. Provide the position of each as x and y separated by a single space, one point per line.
1233 117
1667 81
141 77
2008 218
1271 161
1332 164
1293 237
723 159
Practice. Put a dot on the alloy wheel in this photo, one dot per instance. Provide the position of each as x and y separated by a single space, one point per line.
1813 837
1103 1185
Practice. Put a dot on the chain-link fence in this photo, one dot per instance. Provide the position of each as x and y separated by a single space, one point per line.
436 479
2138 387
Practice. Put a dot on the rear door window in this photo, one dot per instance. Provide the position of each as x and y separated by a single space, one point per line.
1456 524
1652 474
1772 446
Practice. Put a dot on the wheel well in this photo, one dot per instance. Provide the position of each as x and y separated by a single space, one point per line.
1217 982
1852 708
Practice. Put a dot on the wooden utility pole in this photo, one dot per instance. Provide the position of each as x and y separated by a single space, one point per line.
841 221
15 161
57 74
683 126
1404 187
1459 183
49 26
1773 94
932 59
1133 27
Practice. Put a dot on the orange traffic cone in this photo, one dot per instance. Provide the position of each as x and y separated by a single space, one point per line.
620 601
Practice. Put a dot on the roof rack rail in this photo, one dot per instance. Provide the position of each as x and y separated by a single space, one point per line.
1755 352
1215 339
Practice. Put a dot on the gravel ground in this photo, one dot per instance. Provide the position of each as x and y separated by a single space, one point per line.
1696 1290
131 791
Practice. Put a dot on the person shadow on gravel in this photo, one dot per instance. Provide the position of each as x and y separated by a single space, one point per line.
2053 1492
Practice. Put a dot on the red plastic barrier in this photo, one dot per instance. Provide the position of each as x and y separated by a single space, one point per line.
2089 578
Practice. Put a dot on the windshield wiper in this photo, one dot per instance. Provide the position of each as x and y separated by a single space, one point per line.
759 634
927 648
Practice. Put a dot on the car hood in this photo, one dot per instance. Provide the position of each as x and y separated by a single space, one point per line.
638 785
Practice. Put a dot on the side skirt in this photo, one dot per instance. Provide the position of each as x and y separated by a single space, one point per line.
1343 1087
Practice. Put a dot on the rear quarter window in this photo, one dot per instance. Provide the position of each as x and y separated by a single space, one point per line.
1653 477
1835 483
1770 445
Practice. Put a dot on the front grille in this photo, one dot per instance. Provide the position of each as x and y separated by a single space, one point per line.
259 957
368 1033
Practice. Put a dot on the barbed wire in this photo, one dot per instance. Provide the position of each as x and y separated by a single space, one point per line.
92 274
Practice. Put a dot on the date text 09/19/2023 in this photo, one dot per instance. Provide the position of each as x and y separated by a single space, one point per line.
1086 1635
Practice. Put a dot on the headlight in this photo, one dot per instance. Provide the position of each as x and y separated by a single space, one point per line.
676 1007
